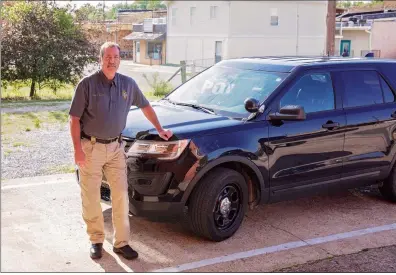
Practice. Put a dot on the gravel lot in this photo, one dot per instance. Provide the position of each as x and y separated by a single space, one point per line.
43 151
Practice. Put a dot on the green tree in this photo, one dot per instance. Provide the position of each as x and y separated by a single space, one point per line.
41 43
89 13
344 4
137 5
150 4
112 13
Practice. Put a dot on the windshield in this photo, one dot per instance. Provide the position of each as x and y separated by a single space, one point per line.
224 89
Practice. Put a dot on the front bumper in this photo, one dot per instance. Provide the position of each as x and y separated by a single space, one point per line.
155 186
149 209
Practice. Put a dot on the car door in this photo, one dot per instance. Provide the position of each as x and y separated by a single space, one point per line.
306 155
369 104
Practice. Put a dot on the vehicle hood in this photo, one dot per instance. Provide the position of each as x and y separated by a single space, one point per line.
185 122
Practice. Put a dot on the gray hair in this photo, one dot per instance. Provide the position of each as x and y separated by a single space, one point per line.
107 45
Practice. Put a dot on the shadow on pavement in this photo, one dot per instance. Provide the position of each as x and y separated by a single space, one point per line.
109 264
165 243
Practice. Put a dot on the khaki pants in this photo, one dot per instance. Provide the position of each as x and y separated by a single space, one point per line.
110 159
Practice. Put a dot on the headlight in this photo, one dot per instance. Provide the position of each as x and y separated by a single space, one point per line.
163 150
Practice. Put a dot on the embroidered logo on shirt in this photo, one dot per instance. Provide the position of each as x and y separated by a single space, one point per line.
124 94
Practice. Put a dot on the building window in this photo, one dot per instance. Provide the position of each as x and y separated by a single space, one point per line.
154 50
274 17
213 12
192 15
173 16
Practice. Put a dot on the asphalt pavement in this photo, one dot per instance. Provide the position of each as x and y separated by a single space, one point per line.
42 227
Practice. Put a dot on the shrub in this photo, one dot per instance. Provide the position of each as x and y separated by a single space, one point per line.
160 87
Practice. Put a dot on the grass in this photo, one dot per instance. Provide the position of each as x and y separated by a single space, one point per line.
14 97
25 122
7 152
21 91
62 169
151 97
19 144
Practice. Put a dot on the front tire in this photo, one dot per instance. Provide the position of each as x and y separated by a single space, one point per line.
388 189
218 204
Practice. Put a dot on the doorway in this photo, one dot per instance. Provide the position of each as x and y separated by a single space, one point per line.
218 51
345 48
137 59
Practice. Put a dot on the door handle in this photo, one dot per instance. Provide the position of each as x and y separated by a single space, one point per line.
331 125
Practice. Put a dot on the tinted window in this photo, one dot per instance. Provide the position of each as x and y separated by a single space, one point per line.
362 88
314 92
388 94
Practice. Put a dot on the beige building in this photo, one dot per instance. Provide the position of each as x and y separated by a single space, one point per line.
149 41
352 40
358 33
209 31
383 39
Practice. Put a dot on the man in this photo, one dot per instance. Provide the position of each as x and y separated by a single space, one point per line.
98 115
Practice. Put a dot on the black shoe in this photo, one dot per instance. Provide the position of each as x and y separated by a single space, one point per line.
96 251
126 251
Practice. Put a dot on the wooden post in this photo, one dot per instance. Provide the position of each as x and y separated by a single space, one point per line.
193 69
178 70
331 25
183 71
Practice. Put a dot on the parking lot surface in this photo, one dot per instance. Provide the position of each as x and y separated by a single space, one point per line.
42 227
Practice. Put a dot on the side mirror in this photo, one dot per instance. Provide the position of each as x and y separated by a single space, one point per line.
252 105
289 112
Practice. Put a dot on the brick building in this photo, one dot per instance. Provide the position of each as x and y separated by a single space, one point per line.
116 30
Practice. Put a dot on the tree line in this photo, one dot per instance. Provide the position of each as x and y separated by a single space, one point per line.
90 13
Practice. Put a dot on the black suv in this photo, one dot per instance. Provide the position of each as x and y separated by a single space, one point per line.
252 131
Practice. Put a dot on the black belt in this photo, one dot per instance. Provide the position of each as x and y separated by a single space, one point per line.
104 141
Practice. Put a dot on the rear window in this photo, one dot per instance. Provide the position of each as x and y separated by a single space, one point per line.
389 96
365 88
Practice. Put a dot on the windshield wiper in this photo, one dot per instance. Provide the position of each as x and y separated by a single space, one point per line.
198 107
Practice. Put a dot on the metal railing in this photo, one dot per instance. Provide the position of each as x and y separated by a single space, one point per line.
353 24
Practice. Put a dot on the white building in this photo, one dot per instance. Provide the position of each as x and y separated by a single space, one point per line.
201 30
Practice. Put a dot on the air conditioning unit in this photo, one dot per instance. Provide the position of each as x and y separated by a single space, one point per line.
148 25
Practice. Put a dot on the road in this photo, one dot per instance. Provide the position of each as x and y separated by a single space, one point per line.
43 228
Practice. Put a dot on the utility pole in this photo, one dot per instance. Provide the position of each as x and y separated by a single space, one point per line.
331 26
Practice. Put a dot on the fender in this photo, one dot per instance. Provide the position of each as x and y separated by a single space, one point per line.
264 190
392 164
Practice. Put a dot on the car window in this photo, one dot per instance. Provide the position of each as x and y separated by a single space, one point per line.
314 92
225 89
389 96
361 88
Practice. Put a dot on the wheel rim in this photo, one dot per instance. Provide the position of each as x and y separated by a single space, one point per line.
228 206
